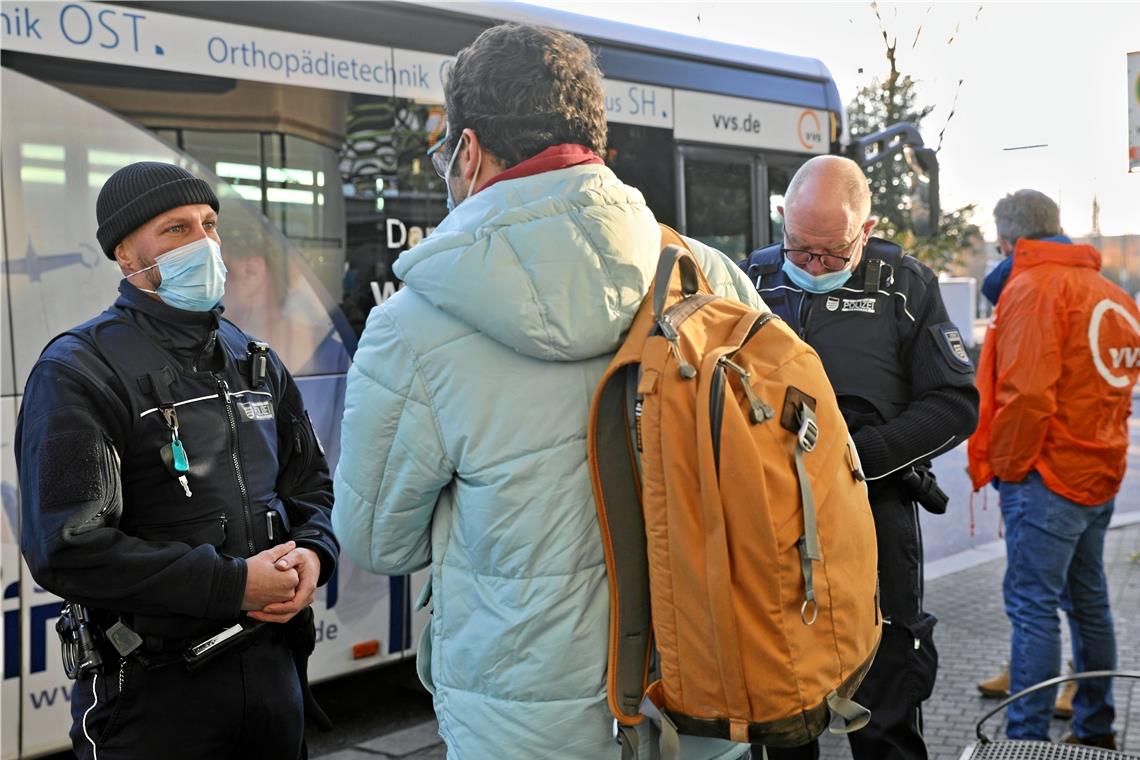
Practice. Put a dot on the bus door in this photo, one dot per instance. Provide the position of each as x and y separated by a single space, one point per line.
729 199
717 198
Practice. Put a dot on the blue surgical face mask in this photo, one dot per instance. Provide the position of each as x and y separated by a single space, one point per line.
193 276
817 283
451 203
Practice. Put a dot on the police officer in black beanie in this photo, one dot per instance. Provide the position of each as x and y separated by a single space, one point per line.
905 385
174 494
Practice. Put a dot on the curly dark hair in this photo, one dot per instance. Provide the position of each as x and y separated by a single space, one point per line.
523 88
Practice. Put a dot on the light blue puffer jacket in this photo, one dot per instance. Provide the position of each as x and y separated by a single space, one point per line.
463 446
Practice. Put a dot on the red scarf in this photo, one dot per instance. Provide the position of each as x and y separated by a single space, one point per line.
555 157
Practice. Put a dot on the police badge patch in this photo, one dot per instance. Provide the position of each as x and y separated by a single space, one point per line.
252 411
832 303
865 305
949 339
954 340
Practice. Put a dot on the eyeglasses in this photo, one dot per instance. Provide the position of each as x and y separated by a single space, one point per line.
832 262
439 159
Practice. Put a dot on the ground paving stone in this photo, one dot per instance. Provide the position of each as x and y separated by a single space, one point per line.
405 743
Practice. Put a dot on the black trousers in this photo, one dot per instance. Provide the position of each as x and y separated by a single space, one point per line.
245 703
903 674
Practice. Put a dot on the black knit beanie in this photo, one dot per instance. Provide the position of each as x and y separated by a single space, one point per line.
137 193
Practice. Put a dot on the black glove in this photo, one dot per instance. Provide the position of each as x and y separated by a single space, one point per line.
919 484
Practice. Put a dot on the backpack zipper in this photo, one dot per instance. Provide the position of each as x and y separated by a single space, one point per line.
761 412
716 410
638 406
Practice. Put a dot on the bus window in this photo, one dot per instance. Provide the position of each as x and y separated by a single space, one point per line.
392 196
643 158
58 150
303 198
718 203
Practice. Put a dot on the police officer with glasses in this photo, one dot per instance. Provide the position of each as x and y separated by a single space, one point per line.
905 386
173 492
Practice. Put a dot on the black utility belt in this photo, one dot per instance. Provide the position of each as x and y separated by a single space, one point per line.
83 643
157 652
154 651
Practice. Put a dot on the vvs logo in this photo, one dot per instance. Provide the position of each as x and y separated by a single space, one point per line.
1121 343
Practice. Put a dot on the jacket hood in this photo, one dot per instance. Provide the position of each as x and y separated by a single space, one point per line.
1033 253
553 265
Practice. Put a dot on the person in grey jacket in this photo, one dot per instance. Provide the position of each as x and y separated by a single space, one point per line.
464 433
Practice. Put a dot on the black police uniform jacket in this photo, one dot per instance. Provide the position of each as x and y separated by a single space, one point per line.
105 521
903 380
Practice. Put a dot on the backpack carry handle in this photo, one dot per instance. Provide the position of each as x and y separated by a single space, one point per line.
690 277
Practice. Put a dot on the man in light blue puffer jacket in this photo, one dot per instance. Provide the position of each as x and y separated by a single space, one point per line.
464 436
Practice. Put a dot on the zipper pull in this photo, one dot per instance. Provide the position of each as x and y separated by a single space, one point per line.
225 388
761 412
185 483
688 371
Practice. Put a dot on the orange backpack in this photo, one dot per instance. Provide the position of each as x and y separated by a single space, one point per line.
738 536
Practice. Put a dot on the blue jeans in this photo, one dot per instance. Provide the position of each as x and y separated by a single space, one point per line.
1055 560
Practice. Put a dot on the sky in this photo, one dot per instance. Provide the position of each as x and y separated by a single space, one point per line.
1052 74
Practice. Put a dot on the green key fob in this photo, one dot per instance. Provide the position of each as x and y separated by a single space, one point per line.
174 457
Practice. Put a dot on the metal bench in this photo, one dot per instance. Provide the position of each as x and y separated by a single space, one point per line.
1011 749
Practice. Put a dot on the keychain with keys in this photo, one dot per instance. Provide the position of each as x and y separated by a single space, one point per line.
174 454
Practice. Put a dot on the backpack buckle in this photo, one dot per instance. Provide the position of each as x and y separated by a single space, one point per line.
808 433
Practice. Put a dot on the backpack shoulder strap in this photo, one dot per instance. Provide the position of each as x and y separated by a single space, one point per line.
617 494
614 470
670 236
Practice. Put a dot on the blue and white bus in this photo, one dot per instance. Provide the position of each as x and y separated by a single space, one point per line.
311 120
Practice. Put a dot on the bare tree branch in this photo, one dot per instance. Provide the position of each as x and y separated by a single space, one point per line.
949 116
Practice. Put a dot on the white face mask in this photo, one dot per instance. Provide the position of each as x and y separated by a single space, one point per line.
451 202
193 276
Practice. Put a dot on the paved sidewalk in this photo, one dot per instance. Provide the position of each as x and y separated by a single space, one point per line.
972 637
420 742
973 642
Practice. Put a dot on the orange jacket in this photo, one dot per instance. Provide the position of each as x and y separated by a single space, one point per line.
1056 374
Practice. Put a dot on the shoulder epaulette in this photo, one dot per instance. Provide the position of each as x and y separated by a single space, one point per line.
877 248
764 261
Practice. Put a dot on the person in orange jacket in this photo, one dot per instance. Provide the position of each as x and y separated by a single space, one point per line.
1059 361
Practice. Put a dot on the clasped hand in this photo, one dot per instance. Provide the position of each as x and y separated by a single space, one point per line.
280 582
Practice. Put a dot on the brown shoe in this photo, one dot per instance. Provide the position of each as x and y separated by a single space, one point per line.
996 687
1063 707
1105 741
